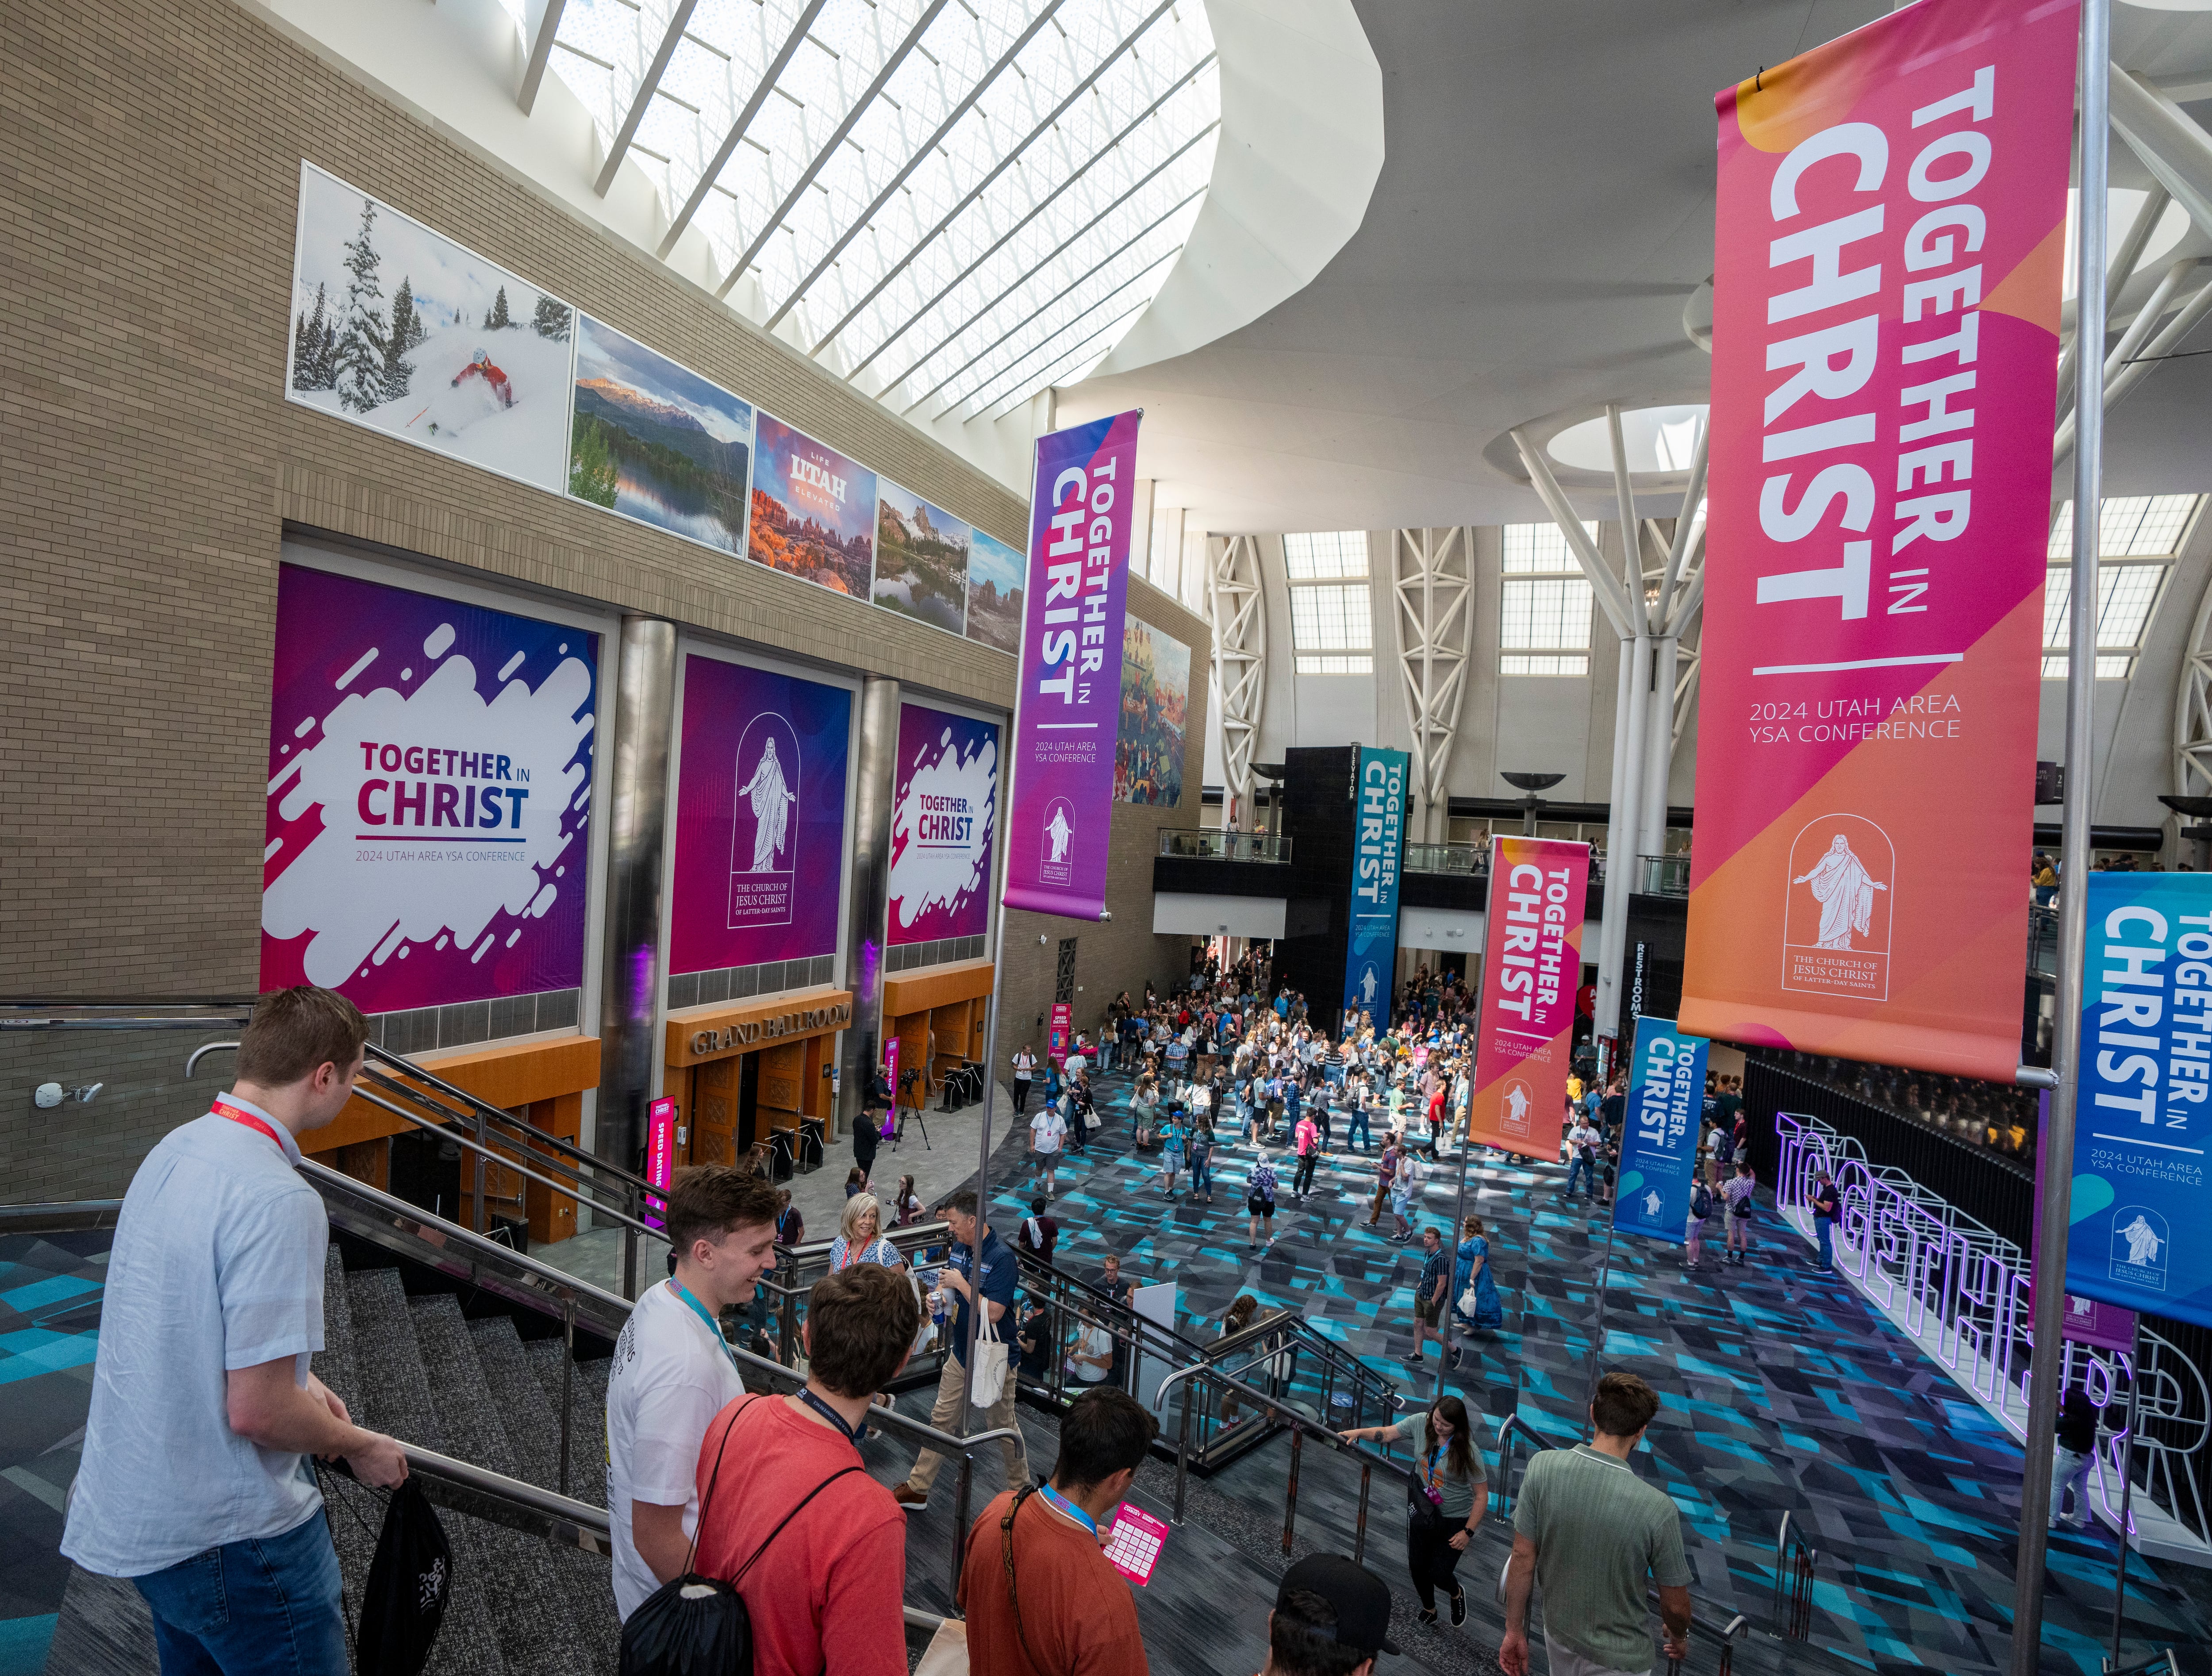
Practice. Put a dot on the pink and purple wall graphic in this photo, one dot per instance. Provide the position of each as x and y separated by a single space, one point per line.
813 509
760 817
944 816
429 787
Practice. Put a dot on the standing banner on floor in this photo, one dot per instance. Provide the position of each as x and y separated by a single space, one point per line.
1890 231
2087 1319
1659 1140
1082 504
1371 948
2138 1235
1532 962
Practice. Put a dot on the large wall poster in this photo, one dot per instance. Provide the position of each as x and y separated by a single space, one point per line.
404 331
1891 219
922 559
944 803
1148 748
657 442
814 511
995 573
759 816
429 787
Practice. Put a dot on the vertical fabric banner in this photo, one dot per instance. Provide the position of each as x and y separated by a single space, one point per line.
1890 231
1371 951
659 1155
1531 964
2088 1321
1069 695
2138 1235
1659 1141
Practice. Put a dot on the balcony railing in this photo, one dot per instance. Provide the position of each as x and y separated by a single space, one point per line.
1209 843
1468 860
1662 875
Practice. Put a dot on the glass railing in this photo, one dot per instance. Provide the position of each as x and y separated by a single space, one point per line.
1209 843
1469 860
1662 875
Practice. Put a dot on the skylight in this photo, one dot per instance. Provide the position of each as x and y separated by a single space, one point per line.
955 203
2143 534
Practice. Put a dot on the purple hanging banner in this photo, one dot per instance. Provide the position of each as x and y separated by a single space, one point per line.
1069 703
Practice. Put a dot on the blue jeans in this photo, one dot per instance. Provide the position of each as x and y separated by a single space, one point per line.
1356 1131
1581 1167
1825 1228
267 1607
1201 1170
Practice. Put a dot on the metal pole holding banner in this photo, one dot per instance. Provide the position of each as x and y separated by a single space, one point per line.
2127 1490
1597 1329
2052 1213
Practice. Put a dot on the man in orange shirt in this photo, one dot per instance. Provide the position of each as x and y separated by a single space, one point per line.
1040 1597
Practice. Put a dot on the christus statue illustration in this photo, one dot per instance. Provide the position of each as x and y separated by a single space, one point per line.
2143 1242
1517 1105
1844 889
1060 832
771 800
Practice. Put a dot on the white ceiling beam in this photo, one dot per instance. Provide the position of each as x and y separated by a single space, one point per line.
2175 151
1678 550
906 169
2122 270
953 336
1602 582
1069 360
544 26
1007 162
1063 291
619 147
742 126
829 148
1631 533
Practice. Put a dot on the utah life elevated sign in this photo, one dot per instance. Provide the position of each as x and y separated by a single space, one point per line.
1531 965
1890 229
1062 823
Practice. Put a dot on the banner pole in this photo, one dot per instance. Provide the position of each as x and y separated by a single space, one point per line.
1452 1239
2127 1490
1597 1332
2051 1213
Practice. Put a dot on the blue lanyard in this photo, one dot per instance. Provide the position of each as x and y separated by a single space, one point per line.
835 1418
1069 1507
700 1310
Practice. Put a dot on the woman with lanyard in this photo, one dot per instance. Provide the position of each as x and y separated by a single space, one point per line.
860 1237
1445 1507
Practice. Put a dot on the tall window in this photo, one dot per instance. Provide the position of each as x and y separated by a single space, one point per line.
1332 623
1544 625
2138 539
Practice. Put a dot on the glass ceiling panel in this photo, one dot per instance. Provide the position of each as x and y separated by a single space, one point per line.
962 200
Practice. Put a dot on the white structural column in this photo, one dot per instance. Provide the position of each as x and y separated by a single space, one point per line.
1648 611
2192 708
1236 603
1433 582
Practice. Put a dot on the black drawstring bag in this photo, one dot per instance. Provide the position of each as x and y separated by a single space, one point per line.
696 1625
409 1581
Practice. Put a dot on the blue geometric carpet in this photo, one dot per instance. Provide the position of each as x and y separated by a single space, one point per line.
1781 1389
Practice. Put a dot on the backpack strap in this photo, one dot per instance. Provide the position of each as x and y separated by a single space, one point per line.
705 1500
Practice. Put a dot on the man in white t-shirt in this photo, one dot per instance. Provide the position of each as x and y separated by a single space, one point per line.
1025 1076
1582 1141
674 1372
1047 1129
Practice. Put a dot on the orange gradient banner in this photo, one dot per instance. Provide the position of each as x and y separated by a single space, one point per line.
1889 235
1531 965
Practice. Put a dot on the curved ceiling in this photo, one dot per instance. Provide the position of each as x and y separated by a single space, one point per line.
1543 214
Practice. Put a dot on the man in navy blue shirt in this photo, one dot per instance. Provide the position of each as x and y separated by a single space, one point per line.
1826 1207
963 1280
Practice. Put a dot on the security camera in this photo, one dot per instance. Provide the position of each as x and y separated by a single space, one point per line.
46 1095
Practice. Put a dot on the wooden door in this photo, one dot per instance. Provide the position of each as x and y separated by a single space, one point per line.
714 1121
782 1069
553 1215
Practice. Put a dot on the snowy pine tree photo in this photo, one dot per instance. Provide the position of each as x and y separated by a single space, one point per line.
551 320
313 343
495 317
406 332
362 332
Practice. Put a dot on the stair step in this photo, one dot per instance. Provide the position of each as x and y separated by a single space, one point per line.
396 1394
530 1608
534 1436
355 1515
587 1421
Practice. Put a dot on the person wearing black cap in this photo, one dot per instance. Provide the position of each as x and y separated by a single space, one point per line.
1332 1617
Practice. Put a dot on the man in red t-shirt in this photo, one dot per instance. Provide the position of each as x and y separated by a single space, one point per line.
1065 1608
824 1590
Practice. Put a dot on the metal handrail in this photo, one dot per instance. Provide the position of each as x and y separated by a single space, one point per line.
59 1218
1507 1426
476 1105
467 1488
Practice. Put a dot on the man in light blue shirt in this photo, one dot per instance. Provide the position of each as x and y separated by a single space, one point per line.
195 1481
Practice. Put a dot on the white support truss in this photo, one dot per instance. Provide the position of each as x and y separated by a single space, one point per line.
1432 580
1236 602
2192 708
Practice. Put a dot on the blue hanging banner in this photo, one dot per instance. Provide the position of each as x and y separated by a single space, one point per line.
2137 1234
1659 1139
1370 953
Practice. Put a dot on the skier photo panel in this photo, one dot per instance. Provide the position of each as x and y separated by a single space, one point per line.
400 330
429 787
759 816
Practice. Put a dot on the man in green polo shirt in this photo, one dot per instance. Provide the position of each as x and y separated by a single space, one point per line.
1593 1535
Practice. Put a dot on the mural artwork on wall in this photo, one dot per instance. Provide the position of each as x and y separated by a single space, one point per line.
759 816
1148 746
921 558
429 775
814 511
656 442
995 573
400 330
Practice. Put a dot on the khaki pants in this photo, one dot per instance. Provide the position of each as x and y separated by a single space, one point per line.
951 1397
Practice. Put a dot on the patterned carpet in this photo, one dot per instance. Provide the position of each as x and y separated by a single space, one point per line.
50 1289
1781 1391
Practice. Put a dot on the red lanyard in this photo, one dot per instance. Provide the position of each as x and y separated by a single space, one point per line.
224 1108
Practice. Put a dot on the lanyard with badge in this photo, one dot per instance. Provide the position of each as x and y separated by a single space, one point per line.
700 1310
224 1108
